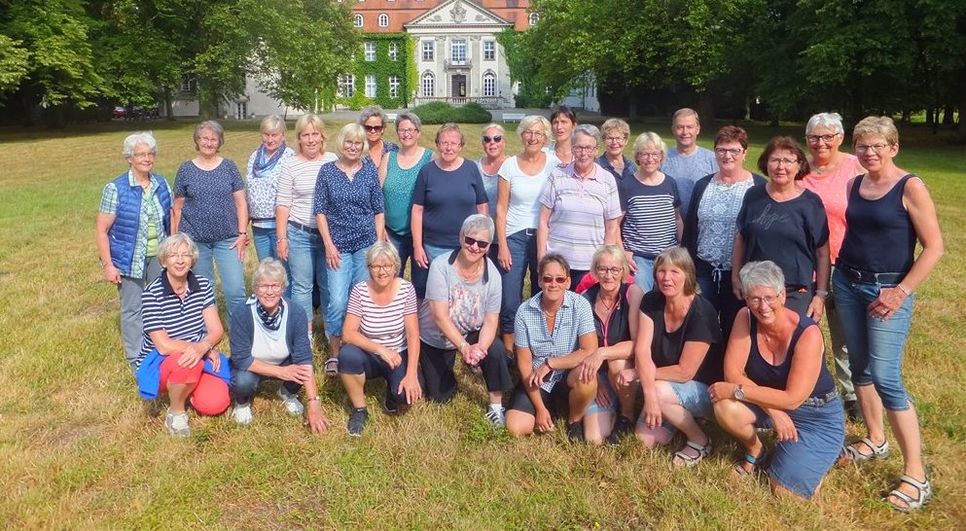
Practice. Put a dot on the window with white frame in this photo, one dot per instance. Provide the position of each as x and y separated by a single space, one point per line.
370 51
393 51
458 52
370 86
489 84
383 20
347 85
429 51
393 86
358 21
534 17
489 50
429 85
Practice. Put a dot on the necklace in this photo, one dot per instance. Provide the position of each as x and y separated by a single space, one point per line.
607 308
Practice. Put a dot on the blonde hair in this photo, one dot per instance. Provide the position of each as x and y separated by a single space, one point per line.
876 126
350 132
303 123
616 124
613 251
272 124
646 140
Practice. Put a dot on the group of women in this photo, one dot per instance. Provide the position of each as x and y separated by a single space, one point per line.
710 317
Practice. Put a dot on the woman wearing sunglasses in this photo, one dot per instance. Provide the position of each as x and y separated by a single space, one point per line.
460 316
494 146
554 333
374 120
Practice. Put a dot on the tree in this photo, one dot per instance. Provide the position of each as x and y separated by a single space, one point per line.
13 63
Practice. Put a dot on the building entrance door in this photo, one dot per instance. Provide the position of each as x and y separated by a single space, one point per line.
459 86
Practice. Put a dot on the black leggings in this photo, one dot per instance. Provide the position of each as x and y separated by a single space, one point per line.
439 380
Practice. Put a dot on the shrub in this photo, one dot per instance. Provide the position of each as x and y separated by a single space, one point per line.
438 112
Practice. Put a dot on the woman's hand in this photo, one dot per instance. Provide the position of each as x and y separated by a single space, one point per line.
538 375
410 388
474 354
504 259
316 420
721 390
887 303
653 417
390 356
603 396
630 262
281 249
112 275
589 367
333 258
543 421
736 285
627 377
241 243
784 427
419 256
295 373
190 356
215 357
816 308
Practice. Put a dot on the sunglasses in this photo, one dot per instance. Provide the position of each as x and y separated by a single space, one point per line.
480 244
550 279
374 128
488 139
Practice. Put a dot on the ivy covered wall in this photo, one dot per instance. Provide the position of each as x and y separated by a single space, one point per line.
382 68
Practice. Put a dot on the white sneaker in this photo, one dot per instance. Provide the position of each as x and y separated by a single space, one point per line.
291 402
177 424
242 415
496 415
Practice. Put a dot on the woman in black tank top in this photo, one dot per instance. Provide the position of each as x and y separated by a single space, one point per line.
775 377
876 274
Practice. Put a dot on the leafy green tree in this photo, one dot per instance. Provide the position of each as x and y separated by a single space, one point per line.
13 63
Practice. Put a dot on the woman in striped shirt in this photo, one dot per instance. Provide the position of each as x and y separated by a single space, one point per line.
380 337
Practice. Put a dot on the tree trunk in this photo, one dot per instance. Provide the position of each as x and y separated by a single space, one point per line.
168 105
949 119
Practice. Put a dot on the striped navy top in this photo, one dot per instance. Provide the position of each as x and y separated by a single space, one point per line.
181 319
650 221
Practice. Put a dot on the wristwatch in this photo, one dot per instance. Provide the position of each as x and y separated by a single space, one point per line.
740 393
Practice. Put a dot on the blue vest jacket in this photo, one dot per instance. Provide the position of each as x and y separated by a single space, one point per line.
124 231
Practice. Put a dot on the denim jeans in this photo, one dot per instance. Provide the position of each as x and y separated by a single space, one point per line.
266 245
644 278
244 385
523 256
843 371
306 262
230 269
130 291
404 246
875 346
352 270
420 275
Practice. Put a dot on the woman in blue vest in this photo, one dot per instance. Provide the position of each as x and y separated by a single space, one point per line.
134 216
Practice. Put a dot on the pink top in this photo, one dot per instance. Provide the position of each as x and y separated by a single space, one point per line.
832 188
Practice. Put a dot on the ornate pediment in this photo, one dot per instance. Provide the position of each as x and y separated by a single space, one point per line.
456 13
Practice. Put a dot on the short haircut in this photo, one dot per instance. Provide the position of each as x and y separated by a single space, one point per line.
534 119
272 124
618 125
303 123
170 244
498 127
680 258
784 143
566 112
450 127
613 251
409 117
350 132
684 112
649 139
553 258
876 126
370 111
383 249
764 274
731 133
477 222
212 126
271 269
587 130
828 120
135 139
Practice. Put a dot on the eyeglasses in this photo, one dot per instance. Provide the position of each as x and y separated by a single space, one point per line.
615 271
406 131
497 139
181 256
379 268
584 149
268 288
550 279
734 152
528 132
148 155
782 162
352 143
813 139
875 148
615 139
756 301
449 144
480 244
652 156
374 128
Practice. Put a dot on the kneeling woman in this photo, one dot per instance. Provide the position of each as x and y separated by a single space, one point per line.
553 333
267 341
678 355
380 337
776 377
181 330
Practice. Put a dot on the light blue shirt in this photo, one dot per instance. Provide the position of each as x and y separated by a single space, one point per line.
687 170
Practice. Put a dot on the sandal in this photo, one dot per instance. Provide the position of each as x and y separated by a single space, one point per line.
757 463
688 461
332 367
911 504
852 453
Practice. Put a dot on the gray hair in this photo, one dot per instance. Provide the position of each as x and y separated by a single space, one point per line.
170 244
383 249
587 130
272 269
477 222
684 112
133 140
350 132
496 126
648 139
272 124
534 119
450 127
409 117
370 111
764 274
828 120
212 126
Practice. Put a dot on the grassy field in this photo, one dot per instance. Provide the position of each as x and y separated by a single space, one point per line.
78 450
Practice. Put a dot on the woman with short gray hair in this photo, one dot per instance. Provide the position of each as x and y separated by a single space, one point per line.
133 219
374 120
262 184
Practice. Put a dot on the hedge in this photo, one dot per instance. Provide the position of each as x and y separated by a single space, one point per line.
438 112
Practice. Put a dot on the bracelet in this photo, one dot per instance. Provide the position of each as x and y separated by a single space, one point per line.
312 398
821 293
903 289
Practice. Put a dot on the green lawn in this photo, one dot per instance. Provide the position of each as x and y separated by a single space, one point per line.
77 449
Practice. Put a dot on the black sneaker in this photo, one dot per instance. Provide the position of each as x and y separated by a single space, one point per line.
622 427
852 411
357 421
389 405
575 431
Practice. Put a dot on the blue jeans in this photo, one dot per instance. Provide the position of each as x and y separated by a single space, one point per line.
404 246
523 256
352 270
644 278
266 246
230 269
306 262
420 275
875 346
244 385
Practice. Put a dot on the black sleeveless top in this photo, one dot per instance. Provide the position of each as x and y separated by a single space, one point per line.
776 376
879 236
618 327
